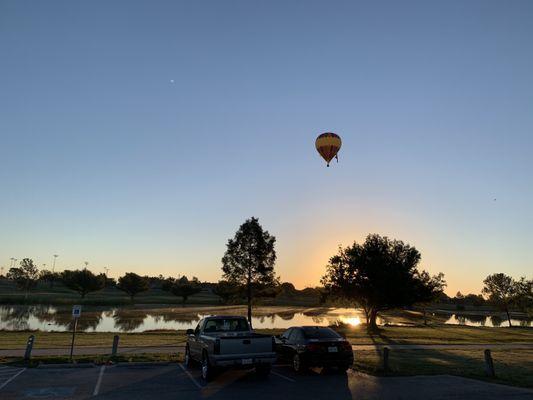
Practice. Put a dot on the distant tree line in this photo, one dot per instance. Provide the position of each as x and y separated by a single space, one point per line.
83 281
377 275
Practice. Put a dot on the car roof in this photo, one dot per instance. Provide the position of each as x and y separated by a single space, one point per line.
310 326
224 316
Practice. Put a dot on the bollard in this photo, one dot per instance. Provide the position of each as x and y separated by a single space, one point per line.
489 364
385 359
29 347
115 346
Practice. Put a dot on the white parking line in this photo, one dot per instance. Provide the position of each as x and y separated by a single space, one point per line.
13 377
99 381
198 385
283 376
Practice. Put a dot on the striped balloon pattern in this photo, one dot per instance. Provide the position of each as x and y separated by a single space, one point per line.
328 145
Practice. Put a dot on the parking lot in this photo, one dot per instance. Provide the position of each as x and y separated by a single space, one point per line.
173 381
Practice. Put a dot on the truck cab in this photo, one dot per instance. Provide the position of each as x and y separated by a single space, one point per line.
228 342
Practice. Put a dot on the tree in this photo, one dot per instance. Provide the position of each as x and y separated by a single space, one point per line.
184 288
82 281
524 299
249 259
503 291
380 274
26 276
133 284
49 277
226 290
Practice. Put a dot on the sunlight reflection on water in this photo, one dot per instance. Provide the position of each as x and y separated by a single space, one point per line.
101 319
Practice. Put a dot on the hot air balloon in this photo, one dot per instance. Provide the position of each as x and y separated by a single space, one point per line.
327 145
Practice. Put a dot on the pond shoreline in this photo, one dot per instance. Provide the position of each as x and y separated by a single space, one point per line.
149 317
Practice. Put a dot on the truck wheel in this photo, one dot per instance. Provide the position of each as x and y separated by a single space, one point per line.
208 371
297 364
262 371
187 361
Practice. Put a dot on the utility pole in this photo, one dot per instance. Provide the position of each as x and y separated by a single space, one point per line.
54 262
106 271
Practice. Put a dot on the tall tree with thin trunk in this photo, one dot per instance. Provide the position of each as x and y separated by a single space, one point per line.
249 259
502 291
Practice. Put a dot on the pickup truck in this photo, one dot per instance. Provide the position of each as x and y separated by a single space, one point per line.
228 341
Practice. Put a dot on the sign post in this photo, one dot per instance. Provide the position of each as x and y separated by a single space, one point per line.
76 312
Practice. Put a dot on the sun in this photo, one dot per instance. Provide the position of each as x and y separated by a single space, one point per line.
353 321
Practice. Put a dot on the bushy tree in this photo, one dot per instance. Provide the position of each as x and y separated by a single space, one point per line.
380 274
184 288
227 290
524 300
504 292
249 259
133 284
49 277
82 281
26 276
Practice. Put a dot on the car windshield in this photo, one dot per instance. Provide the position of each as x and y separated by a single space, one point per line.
320 333
226 324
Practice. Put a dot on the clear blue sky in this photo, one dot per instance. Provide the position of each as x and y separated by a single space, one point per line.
139 135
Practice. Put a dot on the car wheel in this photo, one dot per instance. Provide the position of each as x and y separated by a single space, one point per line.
187 361
262 370
342 368
297 364
207 369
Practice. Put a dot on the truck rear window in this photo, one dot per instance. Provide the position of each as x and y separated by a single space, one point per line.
226 324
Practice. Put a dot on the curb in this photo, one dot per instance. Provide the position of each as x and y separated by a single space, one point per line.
66 365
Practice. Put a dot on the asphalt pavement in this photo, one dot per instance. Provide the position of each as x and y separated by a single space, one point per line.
173 381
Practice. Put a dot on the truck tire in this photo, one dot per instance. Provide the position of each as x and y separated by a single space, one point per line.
262 371
208 372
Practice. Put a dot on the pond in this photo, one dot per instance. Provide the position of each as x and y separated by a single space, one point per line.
139 319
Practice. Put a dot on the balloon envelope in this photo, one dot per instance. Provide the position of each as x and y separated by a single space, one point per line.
328 144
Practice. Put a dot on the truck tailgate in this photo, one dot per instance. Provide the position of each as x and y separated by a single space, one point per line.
245 344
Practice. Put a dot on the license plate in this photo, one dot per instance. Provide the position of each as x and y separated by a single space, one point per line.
332 349
247 361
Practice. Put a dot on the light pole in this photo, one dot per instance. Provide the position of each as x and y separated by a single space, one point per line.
54 262
86 264
106 272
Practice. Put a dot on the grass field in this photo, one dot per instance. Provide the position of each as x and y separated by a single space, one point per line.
513 367
387 335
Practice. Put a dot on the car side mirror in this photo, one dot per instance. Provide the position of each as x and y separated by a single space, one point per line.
190 332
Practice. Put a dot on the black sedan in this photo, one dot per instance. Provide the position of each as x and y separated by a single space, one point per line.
314 346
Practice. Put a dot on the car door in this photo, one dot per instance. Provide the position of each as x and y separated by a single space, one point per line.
283 348
292 343
296 340
193 340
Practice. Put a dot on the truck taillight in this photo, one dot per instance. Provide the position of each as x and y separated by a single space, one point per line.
216 349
